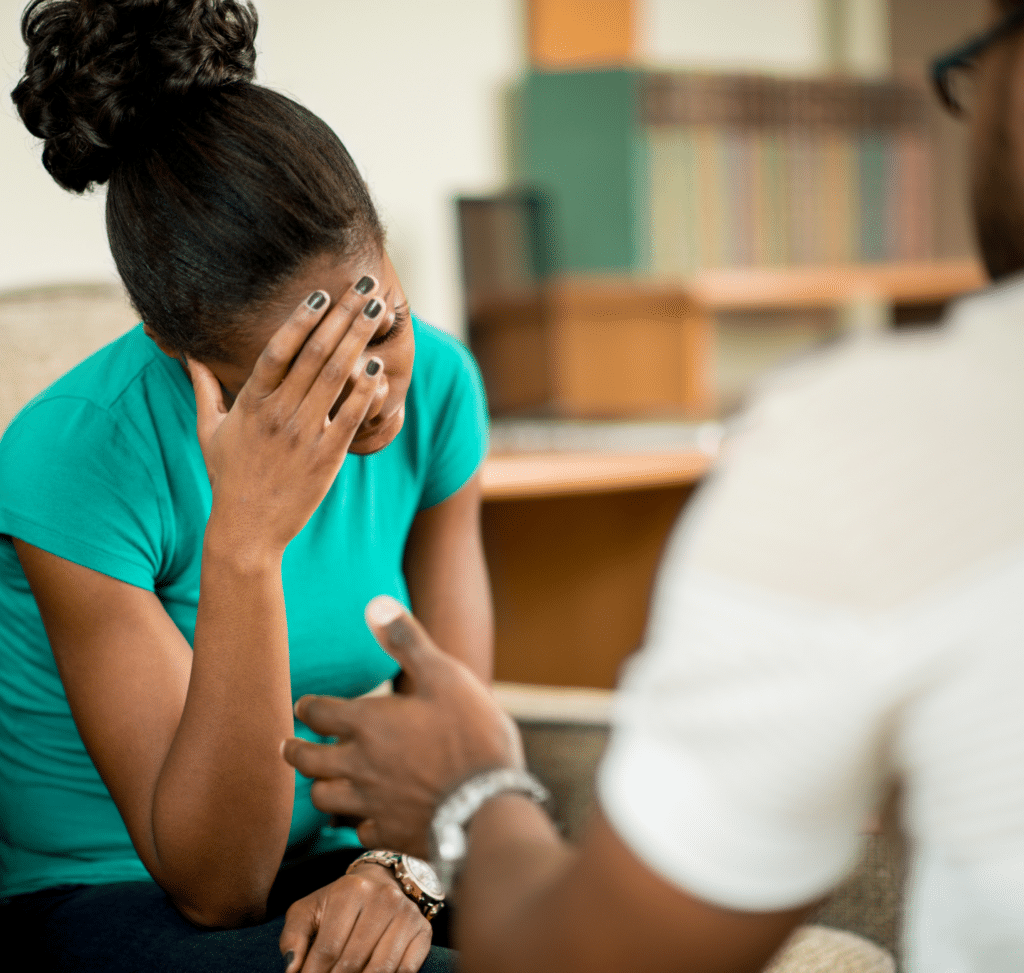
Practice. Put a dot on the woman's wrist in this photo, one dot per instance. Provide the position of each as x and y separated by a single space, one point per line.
236 548
373 870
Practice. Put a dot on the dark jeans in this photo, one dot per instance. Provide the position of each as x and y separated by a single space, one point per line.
132 927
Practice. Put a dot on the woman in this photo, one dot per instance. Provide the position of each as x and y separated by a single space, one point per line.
166 595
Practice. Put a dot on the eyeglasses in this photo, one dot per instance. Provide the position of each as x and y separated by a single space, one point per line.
952 73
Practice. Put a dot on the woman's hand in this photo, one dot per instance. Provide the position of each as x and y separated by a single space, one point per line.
363 921
274 454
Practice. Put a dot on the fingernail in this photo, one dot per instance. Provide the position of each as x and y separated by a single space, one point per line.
373 308
288 957
372 366
365 285
316 300
400 633
383 610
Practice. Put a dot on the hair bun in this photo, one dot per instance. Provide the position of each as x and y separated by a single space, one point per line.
98 71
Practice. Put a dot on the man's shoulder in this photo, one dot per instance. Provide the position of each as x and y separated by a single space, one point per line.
881 467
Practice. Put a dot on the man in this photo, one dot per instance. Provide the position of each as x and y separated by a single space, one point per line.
842 611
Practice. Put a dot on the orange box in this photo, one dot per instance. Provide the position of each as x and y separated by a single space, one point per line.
572 33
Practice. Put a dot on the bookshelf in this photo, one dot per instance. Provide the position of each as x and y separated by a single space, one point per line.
687 231
613 346
926 282
665 173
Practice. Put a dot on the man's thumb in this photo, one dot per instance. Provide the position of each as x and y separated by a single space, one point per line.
401 636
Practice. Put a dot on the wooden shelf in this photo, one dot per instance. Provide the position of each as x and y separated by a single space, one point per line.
509 476
567 705
793 288
617 346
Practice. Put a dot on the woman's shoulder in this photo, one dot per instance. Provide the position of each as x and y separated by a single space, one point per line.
446 415
440 348
104 376
99 385
443 364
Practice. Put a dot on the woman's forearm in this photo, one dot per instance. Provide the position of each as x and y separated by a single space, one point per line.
223 802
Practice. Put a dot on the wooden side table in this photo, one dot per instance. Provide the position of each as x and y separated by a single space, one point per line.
573 541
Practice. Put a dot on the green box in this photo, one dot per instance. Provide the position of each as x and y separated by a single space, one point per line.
585 151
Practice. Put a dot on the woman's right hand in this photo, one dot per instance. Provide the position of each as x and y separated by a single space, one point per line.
273 455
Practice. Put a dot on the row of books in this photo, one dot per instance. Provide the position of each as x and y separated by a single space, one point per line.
743 183
766 101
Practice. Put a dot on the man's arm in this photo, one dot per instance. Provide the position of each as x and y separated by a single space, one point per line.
527 902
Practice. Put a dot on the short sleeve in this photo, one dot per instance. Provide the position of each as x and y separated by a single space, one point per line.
457 407
76 483
748 749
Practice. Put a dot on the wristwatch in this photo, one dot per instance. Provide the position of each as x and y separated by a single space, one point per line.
448 844
416 877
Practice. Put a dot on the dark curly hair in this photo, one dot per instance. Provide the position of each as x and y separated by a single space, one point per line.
218 189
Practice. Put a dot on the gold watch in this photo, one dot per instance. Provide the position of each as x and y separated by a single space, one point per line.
416 877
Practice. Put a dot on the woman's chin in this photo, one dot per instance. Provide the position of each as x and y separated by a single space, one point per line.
373 439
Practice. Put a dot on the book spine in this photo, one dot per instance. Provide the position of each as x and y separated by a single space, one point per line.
749 170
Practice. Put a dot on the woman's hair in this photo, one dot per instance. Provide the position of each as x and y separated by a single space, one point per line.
218 189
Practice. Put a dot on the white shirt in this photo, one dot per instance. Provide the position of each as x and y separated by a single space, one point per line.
843 607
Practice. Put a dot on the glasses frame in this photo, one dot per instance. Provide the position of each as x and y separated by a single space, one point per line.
966 55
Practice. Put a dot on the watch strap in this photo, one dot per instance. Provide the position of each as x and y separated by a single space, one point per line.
448 845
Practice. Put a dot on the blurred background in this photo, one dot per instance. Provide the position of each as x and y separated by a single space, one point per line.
441 98
632 210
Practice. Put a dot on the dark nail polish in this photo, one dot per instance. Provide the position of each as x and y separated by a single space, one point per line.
372 366
288 957
316 300
365 285
373 308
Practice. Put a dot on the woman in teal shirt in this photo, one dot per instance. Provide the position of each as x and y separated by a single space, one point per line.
193 519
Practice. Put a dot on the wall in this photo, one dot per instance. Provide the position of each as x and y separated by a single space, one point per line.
733 35
777 36
414 88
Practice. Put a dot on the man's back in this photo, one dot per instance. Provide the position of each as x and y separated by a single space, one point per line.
843 609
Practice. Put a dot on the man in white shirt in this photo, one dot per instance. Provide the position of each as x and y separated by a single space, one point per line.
841 611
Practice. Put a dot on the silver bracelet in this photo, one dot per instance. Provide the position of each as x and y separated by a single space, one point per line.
448 845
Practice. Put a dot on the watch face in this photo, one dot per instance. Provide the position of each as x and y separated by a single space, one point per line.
423 875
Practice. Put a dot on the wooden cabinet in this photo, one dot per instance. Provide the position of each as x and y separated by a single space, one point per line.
573 541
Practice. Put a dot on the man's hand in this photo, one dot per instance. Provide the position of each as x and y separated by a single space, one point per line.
397 756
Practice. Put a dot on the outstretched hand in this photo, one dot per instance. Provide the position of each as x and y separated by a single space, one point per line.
397 756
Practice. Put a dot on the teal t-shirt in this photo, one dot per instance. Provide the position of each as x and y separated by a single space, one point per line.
104 469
